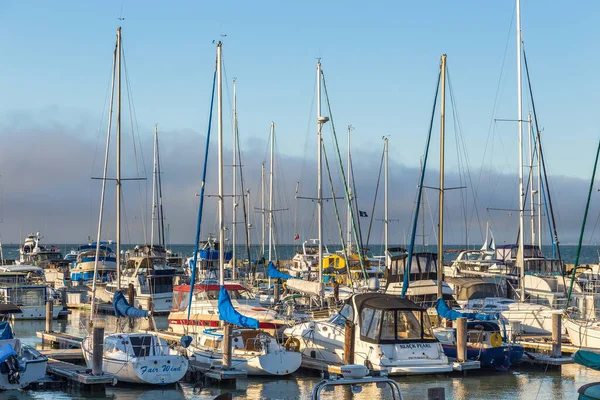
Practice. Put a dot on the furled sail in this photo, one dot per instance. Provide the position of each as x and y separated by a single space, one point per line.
123 309
275 273
228 314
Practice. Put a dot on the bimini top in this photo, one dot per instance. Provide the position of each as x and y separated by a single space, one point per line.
384 302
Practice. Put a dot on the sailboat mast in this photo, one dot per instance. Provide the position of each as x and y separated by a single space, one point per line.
109 124
520 260
319 181
153 191
440 266
385 203
118 233
262 205
349 206
271 192
233 225
539 197
220 151
532 191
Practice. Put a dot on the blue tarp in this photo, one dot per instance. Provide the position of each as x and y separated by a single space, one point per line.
588 359
5 331
6 351
228 314
275 273
446 312
123 309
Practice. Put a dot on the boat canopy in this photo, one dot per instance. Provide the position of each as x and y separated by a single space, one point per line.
587 358
423 266
475 288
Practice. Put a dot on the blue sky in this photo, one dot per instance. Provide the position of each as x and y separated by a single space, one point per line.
380 61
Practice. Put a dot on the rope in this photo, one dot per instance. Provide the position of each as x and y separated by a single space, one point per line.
375 199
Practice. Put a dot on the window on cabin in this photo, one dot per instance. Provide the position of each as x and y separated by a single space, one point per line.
373 332
388 330
366 315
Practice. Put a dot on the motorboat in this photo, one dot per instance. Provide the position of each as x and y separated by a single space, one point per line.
151 278
392 334
17 287
253 351
20 365
82 269
34 253
306 261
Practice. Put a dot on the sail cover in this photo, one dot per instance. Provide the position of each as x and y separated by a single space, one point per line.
446 312
123 309
228 314
5 331
588 359
275 273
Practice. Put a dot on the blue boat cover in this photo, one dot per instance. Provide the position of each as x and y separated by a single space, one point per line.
6 351
588 359
5 331
275 273
228 314
186 341
123 309
446 312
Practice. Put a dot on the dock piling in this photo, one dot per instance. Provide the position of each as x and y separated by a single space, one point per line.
556 335
349 343
438 393
461 339
49 312
226 346
98 349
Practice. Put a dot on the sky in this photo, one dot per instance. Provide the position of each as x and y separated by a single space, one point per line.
380 61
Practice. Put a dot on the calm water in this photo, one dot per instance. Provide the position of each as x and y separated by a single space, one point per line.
526 383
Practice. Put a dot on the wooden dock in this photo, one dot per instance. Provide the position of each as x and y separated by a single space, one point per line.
216 372
545 359
63 354
78 376
60 340
465 365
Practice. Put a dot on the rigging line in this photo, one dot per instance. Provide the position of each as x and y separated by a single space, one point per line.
543 158
246 218
420 188
355 198
375 199
132 118
160 196
496 96
345 183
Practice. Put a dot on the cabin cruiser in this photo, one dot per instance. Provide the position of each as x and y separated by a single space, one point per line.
208 255
306 261
253 351
392 335
18 288
33 253
20 365
204 310
82 269
151 278
476 262
470 293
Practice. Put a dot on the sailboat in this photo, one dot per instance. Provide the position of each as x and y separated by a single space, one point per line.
247 348
130 357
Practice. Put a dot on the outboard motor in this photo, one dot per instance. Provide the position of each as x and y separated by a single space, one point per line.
10 367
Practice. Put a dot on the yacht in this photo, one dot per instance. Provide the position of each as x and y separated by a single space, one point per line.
306 261
151 278
392 335
82 269
18 288
34 253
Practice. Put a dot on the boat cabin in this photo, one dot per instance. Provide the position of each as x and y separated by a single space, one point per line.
134 345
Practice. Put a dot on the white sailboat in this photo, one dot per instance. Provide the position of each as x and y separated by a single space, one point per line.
130 357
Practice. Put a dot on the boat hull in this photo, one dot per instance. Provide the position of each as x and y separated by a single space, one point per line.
498 358
277 363
582 333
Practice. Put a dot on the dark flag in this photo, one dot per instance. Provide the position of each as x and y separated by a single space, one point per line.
362 214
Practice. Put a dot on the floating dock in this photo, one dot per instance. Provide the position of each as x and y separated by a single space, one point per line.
60 340
79 375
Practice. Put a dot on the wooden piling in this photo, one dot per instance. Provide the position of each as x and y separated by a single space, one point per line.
131 295
98 349
349 343
49 312
63 297
150 306
276 293
226 346
556 335
461 339
438 393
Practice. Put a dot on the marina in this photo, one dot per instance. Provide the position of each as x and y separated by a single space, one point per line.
337 268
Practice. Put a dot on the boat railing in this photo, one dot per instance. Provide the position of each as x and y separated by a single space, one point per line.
355 383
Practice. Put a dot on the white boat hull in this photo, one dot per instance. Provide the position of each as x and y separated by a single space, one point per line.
31 313
582 333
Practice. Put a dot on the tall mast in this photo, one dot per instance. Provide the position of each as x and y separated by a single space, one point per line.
440 266
153 190
385 203
99 232
118 233
422 217
320 123
520 261
220 151
539 194
234 183
262 205
349 207
533 192
271 192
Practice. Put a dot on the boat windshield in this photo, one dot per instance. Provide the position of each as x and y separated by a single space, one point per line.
234 294
394 326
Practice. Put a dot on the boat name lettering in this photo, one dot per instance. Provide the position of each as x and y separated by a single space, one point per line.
415 346
164 368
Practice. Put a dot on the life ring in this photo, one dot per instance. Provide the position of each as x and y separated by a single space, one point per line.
496 339
284 285
292 344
